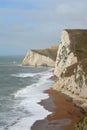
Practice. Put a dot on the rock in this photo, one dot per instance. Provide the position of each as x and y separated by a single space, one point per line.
82 124
46 57
71 64
65 57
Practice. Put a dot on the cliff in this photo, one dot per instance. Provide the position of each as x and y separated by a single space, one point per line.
46 57
82 124
71 65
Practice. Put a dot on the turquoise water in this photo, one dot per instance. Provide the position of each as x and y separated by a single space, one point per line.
11 59
21 88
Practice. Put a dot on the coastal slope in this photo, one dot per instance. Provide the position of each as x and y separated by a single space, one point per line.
45 57
71 65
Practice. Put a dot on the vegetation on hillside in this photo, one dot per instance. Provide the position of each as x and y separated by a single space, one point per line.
78 40
82 124
49 52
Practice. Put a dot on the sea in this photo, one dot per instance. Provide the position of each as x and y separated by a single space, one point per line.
21 90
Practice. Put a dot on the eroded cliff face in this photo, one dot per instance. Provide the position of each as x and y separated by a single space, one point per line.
70 67
65 57
41 57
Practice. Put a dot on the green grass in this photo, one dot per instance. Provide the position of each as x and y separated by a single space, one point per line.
78 40
69 71
49 52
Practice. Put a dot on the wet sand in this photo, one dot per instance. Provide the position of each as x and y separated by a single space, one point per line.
65 114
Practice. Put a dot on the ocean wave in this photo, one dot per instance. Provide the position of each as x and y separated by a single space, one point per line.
29 97
23 75
41 81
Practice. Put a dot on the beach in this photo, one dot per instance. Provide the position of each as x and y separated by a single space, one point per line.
65 114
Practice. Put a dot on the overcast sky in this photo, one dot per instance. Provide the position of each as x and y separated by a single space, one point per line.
33 24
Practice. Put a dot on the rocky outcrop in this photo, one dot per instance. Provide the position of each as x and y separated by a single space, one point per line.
65 57
82 124
46 57
71 64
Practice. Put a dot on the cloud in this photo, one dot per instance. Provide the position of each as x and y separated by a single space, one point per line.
75 10
30 24
53 14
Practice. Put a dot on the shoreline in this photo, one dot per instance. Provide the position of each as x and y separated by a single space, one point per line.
65 114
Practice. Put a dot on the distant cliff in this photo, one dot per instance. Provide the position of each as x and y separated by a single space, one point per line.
71 64
45 57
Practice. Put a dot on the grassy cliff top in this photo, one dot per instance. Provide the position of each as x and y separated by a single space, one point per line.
49 52
78 38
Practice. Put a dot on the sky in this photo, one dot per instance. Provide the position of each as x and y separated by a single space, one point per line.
37 24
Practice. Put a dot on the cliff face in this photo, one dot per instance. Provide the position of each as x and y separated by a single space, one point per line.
65 57
82 124
71 63
46 57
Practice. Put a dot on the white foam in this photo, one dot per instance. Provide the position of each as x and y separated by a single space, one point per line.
30 97
41 84
24 75
37 111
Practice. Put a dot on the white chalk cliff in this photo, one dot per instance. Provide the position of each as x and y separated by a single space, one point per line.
71 64
65 57
41 57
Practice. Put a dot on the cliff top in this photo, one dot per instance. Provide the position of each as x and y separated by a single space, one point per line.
78 38
49 52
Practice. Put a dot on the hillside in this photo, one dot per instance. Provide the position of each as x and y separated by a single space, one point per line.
78 46
78 40
71 65
49 52
45 57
